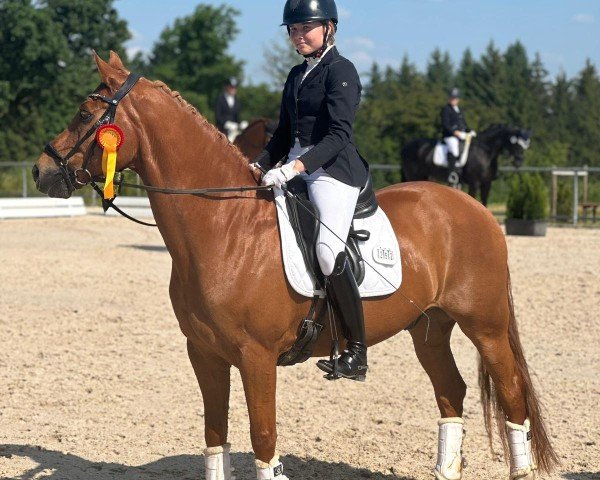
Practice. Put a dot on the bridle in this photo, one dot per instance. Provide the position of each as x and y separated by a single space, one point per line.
82 175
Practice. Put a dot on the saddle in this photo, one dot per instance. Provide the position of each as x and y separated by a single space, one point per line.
304 218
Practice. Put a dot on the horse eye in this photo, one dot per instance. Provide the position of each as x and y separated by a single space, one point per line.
85 116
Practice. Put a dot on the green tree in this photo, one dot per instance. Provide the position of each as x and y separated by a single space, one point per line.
280 56
440 70
191 55
586 118
45 71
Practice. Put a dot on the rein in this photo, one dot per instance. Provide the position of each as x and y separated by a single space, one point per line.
196 191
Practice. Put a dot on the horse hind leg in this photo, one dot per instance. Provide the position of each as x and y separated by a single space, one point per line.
511 398
431 339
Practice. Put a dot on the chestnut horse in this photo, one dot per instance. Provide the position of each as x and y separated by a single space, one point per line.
256 135
454 262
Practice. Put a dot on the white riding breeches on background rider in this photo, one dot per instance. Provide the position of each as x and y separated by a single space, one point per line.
335 201
453 145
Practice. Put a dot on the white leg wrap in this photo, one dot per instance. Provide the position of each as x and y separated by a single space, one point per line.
272 470
521 458
217 463
449 460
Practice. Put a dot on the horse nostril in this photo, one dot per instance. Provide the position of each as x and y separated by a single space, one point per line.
35 171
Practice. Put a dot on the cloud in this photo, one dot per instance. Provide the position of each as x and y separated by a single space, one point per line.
362 43
586 18
344 13
135 35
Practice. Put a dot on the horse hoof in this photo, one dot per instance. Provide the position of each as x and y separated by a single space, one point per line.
527 475
439 476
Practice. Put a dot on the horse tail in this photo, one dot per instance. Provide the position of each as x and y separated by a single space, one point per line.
543 452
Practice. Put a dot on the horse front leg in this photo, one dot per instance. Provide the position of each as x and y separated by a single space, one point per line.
213 374
485 192
473 189
259 376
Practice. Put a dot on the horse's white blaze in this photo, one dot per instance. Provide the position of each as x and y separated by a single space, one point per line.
449 460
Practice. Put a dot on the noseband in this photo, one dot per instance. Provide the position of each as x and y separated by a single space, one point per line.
82 176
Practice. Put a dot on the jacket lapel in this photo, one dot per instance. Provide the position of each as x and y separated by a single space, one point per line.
326 60
297 80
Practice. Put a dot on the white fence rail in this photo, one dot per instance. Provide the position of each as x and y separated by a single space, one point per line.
139 205
41 207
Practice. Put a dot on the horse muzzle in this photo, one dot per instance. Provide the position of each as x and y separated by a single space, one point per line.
50 181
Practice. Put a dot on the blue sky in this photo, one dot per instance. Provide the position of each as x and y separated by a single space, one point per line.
564 32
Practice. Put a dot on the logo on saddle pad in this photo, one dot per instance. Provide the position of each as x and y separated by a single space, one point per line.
384 255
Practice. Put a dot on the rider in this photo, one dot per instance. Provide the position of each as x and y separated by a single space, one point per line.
454 130
319 103
227 109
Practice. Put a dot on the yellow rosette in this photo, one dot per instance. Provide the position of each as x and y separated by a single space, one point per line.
110 138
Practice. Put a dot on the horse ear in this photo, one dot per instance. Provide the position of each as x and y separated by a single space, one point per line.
116 62
109 75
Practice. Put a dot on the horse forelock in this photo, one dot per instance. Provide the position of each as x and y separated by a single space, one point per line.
213 133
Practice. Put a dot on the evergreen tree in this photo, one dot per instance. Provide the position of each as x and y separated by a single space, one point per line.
440 71
586 118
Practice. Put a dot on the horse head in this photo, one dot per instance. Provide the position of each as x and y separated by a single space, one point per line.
517 140
74 158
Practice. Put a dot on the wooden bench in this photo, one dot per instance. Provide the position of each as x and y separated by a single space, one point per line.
137 207
589 206
42 207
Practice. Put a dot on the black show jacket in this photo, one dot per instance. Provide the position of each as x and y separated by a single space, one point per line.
452 121
320 111
225 113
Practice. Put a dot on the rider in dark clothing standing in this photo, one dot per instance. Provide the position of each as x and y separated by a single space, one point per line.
454 130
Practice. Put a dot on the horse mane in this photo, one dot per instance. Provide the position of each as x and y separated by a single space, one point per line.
494 128
200 120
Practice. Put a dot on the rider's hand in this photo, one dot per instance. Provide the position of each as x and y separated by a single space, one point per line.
280 176
462 135
255 167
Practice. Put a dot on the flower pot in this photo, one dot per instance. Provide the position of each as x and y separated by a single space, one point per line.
518 226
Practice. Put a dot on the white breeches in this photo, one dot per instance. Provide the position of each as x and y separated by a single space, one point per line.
335 201
453 145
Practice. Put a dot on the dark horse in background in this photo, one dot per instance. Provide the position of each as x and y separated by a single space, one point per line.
482 163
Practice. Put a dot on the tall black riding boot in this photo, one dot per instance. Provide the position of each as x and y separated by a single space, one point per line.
343 291
453 170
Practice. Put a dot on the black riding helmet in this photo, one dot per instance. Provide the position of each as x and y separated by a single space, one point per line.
300 11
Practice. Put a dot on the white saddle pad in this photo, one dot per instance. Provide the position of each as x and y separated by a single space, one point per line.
383 273
440 154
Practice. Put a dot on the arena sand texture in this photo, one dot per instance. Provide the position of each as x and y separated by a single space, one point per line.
95 383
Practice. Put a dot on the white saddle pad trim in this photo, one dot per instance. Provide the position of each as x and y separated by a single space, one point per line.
381 251
440 153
